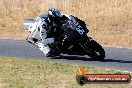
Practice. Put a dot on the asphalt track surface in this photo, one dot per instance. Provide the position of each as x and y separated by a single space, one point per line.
116 58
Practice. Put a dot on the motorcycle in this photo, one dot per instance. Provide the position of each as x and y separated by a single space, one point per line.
73 40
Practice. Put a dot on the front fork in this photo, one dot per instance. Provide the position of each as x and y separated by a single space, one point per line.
86 45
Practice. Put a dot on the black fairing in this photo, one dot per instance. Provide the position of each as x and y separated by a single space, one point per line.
70 30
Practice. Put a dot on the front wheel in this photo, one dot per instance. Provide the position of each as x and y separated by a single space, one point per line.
97 52
93 49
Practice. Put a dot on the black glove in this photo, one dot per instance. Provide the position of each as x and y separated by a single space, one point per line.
31 40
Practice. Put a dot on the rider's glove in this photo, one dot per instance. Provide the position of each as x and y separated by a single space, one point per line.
31 39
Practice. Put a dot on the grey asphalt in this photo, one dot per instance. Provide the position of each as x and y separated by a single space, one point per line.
116 58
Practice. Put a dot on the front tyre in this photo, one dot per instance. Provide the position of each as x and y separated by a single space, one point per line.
97 52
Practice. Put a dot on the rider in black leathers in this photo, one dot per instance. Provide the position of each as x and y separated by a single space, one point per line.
55 20
50 26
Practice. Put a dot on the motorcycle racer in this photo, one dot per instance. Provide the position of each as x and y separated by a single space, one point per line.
45 28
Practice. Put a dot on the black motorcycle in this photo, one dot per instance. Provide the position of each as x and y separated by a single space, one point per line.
72 39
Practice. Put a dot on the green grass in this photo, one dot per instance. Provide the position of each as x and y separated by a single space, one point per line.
25 73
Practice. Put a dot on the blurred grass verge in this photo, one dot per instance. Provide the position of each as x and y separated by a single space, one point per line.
29 73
